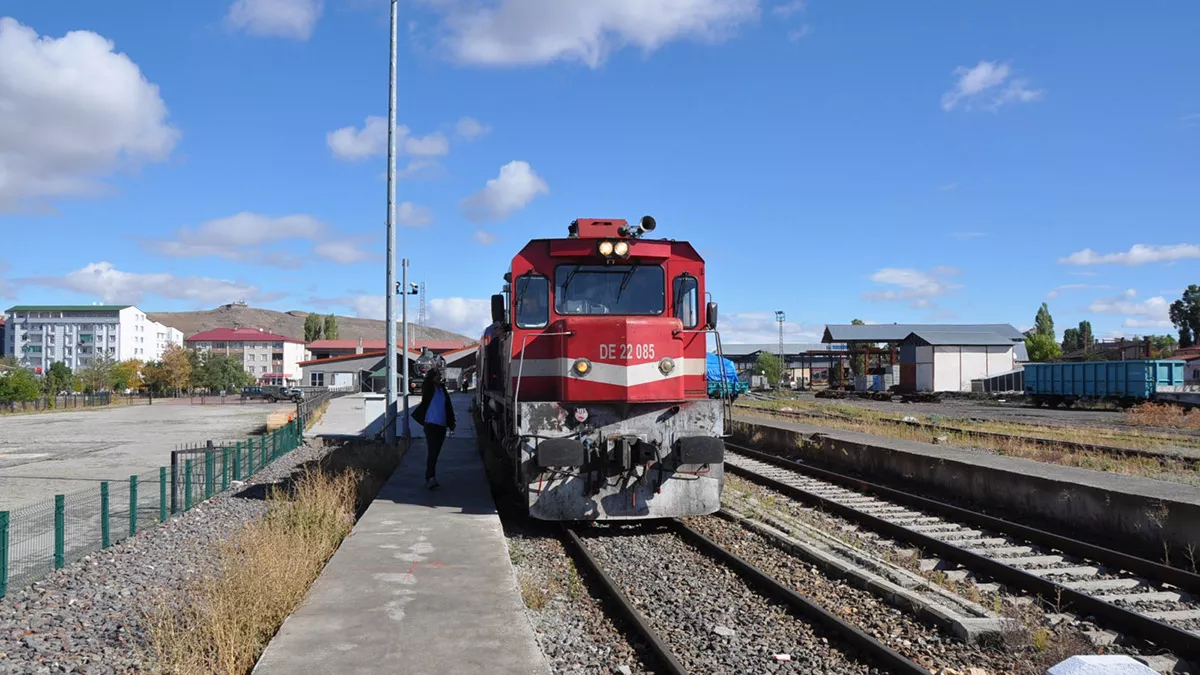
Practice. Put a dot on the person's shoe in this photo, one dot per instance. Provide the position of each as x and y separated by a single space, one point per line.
431 483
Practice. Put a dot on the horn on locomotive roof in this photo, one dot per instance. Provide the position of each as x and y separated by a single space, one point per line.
647 224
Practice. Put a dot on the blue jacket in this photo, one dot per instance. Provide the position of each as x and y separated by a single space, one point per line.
419 413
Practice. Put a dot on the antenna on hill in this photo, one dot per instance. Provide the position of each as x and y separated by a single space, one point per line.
422 314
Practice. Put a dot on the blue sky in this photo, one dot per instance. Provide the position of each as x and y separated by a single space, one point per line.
957 162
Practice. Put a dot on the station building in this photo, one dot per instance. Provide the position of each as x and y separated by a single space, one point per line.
367 371
75 335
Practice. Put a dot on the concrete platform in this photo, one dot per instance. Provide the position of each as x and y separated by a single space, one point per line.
422 585
361 416
1141 514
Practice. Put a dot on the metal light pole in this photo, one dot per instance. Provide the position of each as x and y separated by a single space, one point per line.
404 321
389 428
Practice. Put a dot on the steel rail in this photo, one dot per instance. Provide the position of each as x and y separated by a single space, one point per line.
892 662
995 435
666 657
1176 639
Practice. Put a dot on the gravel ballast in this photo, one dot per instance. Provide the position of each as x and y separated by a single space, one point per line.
87 617
572 628
711 618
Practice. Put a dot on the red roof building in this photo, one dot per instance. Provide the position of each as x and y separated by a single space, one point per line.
270 358
323 349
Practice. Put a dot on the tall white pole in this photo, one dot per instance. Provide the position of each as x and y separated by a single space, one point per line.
404 350
389 432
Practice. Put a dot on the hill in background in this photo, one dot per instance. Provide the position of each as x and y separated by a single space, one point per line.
290 324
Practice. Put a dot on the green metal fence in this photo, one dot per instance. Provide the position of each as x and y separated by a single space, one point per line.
40 538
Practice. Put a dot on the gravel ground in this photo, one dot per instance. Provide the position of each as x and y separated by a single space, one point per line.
572 627
711 618
896 629
85 618
1066 639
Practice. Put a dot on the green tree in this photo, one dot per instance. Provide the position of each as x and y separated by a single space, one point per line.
223 373
1162 346
58 378
177 368
1043 324
1042 347
331 327
19 384
1071 340
1185 314
1086 340
313 327
858 363
769 365
98 375
127 375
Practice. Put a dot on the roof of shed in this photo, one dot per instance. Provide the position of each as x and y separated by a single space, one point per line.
735 350
957 338
897 332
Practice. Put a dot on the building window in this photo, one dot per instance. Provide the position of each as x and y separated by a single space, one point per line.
533 301
687 301
278 345
316 379
264 370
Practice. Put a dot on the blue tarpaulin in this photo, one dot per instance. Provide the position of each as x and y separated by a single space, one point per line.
714 369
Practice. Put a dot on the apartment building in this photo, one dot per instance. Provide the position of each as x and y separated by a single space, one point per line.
268 357
39 335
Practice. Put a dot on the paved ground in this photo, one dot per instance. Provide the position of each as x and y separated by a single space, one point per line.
50 453
423 584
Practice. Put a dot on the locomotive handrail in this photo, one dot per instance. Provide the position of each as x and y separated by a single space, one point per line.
521 370
726 404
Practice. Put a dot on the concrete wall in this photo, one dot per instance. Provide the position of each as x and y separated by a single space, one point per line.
955 366
1143 512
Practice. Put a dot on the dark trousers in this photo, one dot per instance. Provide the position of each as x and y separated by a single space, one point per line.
435 436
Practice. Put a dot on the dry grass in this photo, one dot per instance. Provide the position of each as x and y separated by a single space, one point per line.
224 621
1163 415
1162 468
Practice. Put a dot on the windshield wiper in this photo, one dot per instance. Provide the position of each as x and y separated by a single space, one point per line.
570 276
625 280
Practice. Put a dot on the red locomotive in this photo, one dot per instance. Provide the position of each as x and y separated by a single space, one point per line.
592 398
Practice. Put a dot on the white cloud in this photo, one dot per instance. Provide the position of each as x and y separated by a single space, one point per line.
6 287
465 316
789 8
988 86
342 252
352 144
761 327
408 213
1138 254
915 286
113 286
1056 291
293 19
73 112
532 32
484 238
799 33
1151 312
469 128
248 237
510 191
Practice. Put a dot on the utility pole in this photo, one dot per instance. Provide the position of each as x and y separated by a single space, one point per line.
780 317
389 417
404 320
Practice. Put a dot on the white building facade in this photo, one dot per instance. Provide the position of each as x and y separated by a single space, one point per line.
934 361
270 358
76 335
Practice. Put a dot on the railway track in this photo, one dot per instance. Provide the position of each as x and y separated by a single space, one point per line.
1158 455
1123 593
674 623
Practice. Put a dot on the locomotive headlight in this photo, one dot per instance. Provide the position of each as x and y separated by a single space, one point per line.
621 249
666 366
582 367
606 248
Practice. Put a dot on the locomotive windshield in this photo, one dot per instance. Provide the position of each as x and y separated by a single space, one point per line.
609 289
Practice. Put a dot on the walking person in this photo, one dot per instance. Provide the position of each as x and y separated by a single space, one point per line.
436 415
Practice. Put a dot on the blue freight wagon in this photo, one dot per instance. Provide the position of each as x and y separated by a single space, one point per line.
1126 382
727 383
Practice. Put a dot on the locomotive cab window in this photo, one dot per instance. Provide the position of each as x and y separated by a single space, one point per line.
687 300
532 301
610 289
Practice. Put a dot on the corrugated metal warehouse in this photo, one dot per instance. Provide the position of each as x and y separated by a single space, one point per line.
945 361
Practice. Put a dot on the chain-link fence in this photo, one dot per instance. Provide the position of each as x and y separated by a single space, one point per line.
40 538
